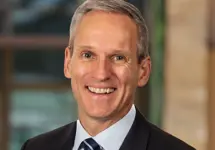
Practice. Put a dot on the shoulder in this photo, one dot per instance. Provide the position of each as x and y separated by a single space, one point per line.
155 137
161 139
52 139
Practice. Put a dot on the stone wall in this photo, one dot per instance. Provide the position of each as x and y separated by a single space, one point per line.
186 57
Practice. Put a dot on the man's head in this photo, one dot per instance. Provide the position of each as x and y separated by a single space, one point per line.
107 58
113 6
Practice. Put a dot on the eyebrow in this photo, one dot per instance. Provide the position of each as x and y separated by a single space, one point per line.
117 51
84 47
120 51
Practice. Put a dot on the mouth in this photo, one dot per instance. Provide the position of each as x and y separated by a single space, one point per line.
101 90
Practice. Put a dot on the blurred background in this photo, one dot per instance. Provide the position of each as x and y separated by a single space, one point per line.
35 97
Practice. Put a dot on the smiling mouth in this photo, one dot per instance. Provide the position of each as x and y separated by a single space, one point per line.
101 90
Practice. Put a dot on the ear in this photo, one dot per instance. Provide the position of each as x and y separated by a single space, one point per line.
144 71
67 64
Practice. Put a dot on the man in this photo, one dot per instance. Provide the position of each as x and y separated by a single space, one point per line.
106 60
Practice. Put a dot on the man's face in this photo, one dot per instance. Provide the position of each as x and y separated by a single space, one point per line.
103 66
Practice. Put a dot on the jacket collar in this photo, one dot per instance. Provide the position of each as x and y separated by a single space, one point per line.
138 135
69 142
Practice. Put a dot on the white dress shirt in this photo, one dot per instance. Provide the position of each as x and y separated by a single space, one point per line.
112 137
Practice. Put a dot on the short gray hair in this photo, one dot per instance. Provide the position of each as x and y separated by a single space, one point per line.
115 6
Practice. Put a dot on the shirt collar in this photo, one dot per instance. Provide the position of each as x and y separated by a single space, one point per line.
112 137
81 135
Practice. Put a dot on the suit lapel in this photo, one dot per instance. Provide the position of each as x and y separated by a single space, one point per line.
138 135
70 138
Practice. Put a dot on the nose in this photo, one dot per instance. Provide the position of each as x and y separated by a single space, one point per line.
102 70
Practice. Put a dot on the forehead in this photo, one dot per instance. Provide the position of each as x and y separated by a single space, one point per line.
107 29
108 18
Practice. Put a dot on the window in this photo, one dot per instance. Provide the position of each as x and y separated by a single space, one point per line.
38 66
42 16
36 111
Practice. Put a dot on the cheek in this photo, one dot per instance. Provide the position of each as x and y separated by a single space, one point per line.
77 76
78 79
78 69
127 75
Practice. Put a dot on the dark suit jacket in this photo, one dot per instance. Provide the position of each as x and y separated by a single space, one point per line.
142 136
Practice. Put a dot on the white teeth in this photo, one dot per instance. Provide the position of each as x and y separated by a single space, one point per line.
101 90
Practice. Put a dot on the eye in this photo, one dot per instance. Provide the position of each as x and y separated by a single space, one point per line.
119 58
87 55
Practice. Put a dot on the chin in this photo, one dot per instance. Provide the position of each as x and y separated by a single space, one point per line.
100 113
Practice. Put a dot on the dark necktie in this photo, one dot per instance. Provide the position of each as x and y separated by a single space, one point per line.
89 144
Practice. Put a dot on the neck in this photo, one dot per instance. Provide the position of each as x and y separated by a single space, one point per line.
94 125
